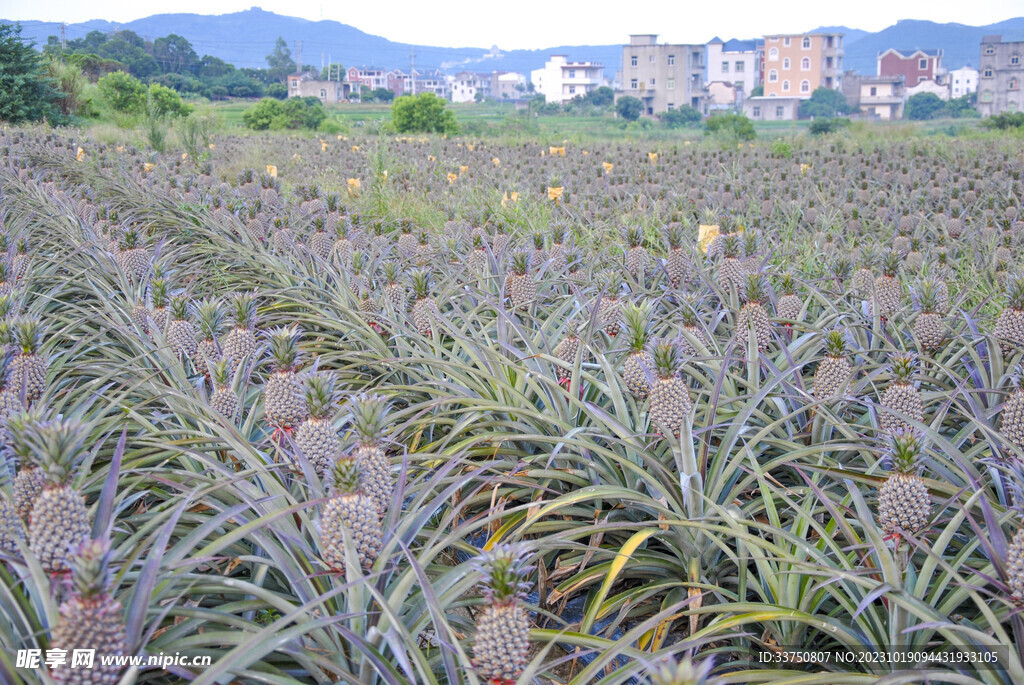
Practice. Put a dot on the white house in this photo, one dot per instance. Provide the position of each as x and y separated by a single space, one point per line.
467 84
963 81
561 80
734 61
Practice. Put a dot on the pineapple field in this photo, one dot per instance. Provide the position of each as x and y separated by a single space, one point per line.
424 411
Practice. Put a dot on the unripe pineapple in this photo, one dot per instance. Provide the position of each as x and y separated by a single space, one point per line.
19 264
500 241
1010 324
789 305
182 335
224 399
670 397
730 270
690 318
406 239
752 314
834 369
1012 415
424 309
283 239
574 264
864 277
210 314
369 415
394 290
915 257
519 285
502 645
685 672
132 256
888 291
538 255
343 245
610 308
10 396
59 520
316 437
751 248
349 510
90 618
637 259
320 243
159 313
240 342
28 367
676 264
284 403
904 504
11 527
566 351
477 260
639 361
1015 566
901 398
424 252
929 327
359 272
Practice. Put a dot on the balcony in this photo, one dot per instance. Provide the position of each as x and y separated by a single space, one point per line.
867 100
644 92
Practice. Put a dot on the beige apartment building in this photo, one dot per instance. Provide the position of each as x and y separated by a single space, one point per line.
664 76
795 65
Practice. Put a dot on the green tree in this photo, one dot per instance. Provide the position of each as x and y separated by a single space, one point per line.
26 94
423 113
679 117
70 85
730 126
166 102
629 108
175 55
924 106
130 49
757 91
123 92
294 113
378 95
824 102
260 116
333 71
280 62
602 96
278 91
964 107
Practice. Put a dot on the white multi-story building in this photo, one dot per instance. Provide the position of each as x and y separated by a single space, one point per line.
561 80
963 81
734 61
467 84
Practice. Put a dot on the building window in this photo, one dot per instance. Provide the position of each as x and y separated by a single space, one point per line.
785 42
671 106
806 43
572 90
773 55
740 67
922 78
652 82
805 64
632 61
725 67
922 64
633 84
651 59
780 111
572 73
1014 84
323 93
671 60
989 50
1015 59
986 96
757 112
773 76
785 63
671 84
874 91
805 86
785 86
986 72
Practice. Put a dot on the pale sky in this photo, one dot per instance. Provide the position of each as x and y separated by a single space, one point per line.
542 23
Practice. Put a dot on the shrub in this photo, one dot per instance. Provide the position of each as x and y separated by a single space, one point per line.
680 117
824 102
1005 121
294 113
924 106
123 92
331 127
25 93
730 125
781 148
423 113
629 108
166 102
259 116
821 126
278 91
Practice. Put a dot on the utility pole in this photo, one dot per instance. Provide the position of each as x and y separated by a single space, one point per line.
322 62
330 68
298 55
412 72
63 36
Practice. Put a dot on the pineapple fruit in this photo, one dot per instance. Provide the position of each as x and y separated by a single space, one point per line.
904 504
284 403
901 398
27 371
1010 324
753 315
316 436
520 288
834 369
224 399
369 414
639 361
502 644
670 401
349 511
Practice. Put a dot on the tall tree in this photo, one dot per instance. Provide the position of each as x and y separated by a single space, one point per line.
25 92
280 61
174 54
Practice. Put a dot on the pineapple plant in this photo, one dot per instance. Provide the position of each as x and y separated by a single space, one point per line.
751 248
240 342
610 308
11 527
915 256
59 519
1010 324
789 305
284 403
904 504
20 261
394 289
90 618
684 672
283 239
224 399
637 258
538 255
477 260
27 370
864 277
690 318
349 512
557 252
565 351
1012 415
834 369
406 238
160 314
929 327
888 291
752 314
901 398
500 240
1015 566
132 256
424 252
520 288
424 309
341 251
210 314
676 265
369 415
316 436
182 335
638 360
502 645
320 242
6 284
670 397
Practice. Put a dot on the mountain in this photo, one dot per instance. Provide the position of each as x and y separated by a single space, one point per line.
245 38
